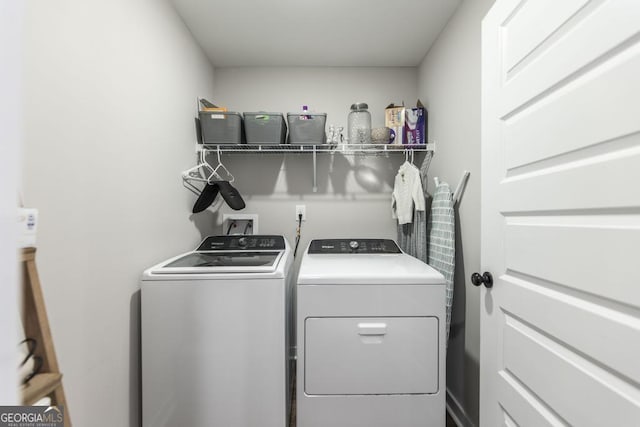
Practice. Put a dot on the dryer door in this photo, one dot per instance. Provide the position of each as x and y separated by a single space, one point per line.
371 355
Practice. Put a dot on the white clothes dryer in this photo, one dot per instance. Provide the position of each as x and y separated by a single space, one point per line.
215 335
371 337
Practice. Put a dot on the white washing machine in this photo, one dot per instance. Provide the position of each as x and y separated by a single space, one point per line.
371 337
215 335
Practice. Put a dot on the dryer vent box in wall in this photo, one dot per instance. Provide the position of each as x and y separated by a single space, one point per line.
239 224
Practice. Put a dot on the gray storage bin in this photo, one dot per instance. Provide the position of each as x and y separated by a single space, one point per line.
265 128
221 127
307 128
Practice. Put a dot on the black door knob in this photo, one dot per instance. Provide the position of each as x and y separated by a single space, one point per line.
485 278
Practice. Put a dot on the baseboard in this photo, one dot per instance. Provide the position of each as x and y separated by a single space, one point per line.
457 412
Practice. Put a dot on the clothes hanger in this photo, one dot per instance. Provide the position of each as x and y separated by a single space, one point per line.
214 184
200 172
215 173
229 193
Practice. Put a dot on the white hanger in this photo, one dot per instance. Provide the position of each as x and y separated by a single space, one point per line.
408 155
220 165
200 172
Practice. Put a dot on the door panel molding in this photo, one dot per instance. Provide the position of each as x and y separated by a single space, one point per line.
560 328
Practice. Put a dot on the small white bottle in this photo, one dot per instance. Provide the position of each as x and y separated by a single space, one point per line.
305 113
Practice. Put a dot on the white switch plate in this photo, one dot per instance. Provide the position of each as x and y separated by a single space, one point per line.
301 209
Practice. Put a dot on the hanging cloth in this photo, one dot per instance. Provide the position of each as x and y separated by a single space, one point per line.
412 237
441 230
407 193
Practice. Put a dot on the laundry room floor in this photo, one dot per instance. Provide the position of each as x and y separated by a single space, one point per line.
292 422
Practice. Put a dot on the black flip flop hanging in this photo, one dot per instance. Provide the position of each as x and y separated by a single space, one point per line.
231 195
206 198
208 194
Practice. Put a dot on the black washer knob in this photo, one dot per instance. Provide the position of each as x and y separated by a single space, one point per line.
486 278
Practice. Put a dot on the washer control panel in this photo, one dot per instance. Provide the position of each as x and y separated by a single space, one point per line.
241 243
353 246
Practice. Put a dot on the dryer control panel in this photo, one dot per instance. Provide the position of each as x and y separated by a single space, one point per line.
242 243
353 246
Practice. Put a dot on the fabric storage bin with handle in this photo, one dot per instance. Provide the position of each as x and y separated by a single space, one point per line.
307 128
221 127
265 128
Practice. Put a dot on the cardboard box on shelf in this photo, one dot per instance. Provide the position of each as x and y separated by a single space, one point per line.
415 124
408 124
394 119
208 106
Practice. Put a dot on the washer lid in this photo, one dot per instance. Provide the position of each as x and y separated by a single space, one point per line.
207 262
227 257
366 269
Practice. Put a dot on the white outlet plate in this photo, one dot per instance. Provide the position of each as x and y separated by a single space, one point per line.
301 209
248 222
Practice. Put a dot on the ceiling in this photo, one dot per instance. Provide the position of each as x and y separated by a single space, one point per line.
236 33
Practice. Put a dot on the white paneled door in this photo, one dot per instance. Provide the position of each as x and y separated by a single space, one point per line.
561 214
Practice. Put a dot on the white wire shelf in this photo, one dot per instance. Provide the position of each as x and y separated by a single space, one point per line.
365 149
314 150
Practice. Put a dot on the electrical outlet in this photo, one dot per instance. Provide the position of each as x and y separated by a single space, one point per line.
301 209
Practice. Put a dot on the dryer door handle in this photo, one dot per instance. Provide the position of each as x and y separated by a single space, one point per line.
372 328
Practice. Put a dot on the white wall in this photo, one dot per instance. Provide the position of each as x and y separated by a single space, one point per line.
449 85
110 95
10 28
353 197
